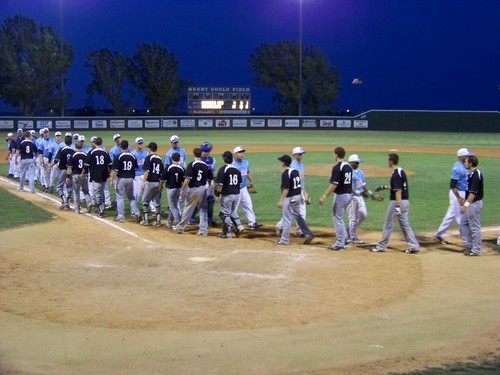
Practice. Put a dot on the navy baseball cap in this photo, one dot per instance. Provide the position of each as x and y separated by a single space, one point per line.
227 156
152 146
285 159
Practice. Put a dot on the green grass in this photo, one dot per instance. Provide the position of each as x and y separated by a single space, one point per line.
428 187
18 211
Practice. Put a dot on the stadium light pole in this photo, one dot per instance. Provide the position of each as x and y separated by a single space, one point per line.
61 24
300 58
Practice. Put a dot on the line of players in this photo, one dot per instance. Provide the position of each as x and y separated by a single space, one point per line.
80 171
143 173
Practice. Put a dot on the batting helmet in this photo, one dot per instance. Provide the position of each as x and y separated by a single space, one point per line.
206 147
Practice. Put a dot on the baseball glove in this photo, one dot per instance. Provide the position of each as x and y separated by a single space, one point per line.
378 198
251 189
306 197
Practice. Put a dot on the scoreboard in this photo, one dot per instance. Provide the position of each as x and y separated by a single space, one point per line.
218 100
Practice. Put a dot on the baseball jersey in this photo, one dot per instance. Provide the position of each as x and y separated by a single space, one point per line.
290 180
125 165
198 173
154 165
475 185
180 151
210 161
62 157
299 166
229 177
77 161
399 182
244 168
98 163
173 176
27 149
358 181
140 156
459 175
342 178
46 146
115 151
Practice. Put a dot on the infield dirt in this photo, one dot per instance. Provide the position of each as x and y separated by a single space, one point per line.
82 295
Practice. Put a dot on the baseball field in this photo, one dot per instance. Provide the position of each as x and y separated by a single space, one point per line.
82 295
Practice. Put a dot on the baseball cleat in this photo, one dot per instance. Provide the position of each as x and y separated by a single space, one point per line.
278 231
224 235
378 250
255 226
441 240
157 224
144 222
336 248
471 254
89 208
119 220
357 241
279 242
308 240
412 251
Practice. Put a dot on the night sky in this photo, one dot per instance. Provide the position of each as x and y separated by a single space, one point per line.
411 54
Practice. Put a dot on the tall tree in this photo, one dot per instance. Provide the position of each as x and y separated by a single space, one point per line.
33 65
277 66
154 73
110 78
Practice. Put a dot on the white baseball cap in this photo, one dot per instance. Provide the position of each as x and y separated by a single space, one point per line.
116 136
463 152
81 138
9 135
76 135
139 140
32 132
68 134
298 150
41 131
92 139
19 131
58 133
238 149
174 139
354 158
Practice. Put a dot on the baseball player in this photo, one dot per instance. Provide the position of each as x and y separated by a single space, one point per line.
173 178
116 150
357 211
140 155
107 196
46 146
123 169
25 159
458 185
398 208
98 164
194 191
341 185
206 148
297 164
228 183
245 202
64 186
11 152
471 209
17 144
79 181
289 202
153 169
175 147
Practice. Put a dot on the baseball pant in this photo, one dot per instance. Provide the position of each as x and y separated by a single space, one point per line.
196 197
45 173
80 185
98 189
340 205
151 195
404 224
125 188
27 171
303 213
229 212
12 165
291 211
357 213
63 189
138 187
246 205
174 209
471 227
454 213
